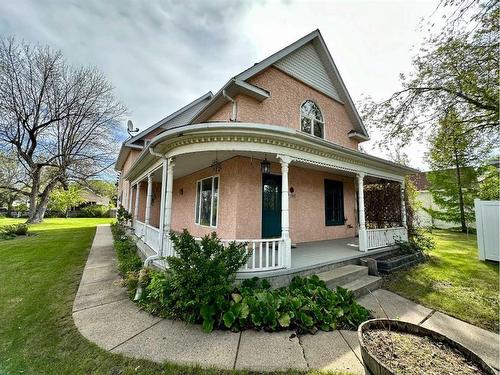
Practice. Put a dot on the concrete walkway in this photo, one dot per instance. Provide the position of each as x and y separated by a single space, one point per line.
104 315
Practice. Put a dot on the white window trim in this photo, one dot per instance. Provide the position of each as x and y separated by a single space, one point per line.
312 118
197 219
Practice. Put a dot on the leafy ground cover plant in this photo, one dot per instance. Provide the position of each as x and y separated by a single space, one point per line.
199 288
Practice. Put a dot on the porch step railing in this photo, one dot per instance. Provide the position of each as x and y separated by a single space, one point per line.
377 238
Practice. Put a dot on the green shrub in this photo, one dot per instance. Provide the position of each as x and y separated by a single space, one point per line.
198 288
126 251
122 215
15 229
201 277
420 241
95 210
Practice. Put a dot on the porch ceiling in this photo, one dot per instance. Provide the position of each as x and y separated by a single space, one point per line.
190 163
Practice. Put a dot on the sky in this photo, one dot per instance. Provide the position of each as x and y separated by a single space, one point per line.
160 55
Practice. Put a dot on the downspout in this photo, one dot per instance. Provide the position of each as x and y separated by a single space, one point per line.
234 105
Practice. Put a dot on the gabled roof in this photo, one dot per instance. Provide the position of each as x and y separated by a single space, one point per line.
165 123
337 90
180 117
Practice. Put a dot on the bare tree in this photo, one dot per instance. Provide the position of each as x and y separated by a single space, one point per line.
12 180
61 121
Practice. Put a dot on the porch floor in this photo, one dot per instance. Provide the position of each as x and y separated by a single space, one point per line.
308 254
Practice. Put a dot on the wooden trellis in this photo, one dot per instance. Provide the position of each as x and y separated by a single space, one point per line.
383 204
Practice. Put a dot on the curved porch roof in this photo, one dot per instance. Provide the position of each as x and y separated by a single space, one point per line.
262 138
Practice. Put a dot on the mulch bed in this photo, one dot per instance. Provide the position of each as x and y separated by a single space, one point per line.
406 353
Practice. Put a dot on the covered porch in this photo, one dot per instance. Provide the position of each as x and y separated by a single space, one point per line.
165 180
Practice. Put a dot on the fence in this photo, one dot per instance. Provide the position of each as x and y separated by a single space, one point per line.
487 225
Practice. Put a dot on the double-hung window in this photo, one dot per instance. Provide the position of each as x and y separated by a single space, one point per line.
334 203
207 199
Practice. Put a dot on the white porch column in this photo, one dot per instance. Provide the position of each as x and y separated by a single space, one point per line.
168 195
285 220
149 196
129 203
362 235
403 204
167 190
136 207
162 204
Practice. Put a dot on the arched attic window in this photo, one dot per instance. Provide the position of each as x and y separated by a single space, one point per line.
311 119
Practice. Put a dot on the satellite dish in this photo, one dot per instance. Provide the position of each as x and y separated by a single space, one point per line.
130 128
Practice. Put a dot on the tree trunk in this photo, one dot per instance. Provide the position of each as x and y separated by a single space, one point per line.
41 206
35 187
460 195
10 203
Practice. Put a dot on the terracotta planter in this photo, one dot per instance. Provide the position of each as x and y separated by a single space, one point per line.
375 367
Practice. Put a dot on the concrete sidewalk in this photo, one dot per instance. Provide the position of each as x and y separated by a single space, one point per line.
104 315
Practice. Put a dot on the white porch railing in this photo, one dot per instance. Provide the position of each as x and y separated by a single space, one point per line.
152 237
139 229
265 255
148 234
377 238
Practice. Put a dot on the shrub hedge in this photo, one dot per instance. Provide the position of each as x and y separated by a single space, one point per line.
199 287
126 251
13 230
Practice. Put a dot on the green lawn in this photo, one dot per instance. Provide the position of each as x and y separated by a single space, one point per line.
453 281
39 277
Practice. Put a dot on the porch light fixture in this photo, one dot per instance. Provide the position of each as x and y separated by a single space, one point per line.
265 165
216 164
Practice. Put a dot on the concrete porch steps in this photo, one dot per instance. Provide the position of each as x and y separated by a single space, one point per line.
352 277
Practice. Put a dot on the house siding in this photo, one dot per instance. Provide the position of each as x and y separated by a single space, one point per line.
124 185
283 107
305 65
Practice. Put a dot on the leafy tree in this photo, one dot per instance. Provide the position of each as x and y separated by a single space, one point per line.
103 188
63 199
60 120
489 187
456 202
452 154
456 70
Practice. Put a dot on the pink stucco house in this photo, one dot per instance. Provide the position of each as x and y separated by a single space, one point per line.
271 159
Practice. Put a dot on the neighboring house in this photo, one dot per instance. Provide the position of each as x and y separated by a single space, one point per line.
271 159
91 198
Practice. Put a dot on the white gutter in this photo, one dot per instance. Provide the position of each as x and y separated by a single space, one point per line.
234 107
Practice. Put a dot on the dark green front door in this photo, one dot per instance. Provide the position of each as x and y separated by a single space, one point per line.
271 206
